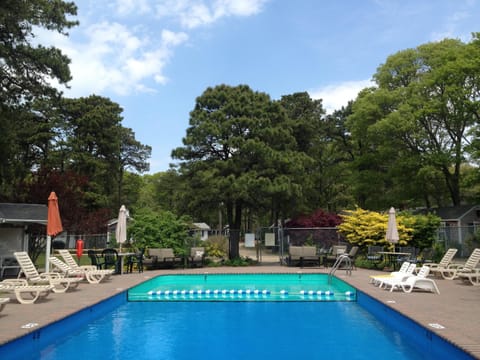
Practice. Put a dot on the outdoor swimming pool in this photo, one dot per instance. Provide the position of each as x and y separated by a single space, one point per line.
116 328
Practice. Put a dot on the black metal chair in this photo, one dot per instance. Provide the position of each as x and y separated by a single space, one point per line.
136 259
110 259
373 255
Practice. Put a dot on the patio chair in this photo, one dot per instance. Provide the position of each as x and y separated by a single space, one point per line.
95 259
110 258
197 257
336 251
411 258
444 262
60 284
373 255
89 273
409 282
302 256
136 259
21 289
352 254
452 270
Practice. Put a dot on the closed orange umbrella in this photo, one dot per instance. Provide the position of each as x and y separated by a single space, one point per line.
54 224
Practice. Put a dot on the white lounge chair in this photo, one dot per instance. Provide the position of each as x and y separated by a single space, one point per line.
96 274
21 288
472 276
91 274
398 275
451 271
60 284
377 279
410 282
444 262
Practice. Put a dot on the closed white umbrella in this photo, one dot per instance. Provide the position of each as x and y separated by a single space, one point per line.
392 231
121 229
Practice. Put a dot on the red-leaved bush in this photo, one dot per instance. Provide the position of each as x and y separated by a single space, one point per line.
319 218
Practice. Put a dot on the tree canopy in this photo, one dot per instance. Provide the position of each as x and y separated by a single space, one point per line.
239 152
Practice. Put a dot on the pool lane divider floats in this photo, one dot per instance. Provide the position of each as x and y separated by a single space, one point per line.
242 294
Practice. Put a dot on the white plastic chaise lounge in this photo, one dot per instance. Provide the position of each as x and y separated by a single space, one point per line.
60 284
409 282
91 274
444 262
472 276
452 271
380 281
377 279
22 289
92 269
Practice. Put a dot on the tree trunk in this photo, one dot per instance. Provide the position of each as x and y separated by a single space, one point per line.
234 235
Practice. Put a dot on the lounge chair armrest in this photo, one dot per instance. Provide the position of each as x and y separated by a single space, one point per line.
469 271
15 282
50 275
454 266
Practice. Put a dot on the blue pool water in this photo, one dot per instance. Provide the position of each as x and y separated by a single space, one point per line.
243 287
233 330
118 329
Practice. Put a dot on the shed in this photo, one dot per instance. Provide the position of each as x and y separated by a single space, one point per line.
14 222
464 215
201 229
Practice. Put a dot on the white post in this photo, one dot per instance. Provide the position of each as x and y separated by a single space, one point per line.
47 253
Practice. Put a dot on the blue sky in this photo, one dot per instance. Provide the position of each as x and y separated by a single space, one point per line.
154 57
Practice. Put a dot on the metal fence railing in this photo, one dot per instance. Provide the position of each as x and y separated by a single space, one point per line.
277 239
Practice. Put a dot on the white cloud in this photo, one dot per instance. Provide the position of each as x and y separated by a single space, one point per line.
337 95
237 7
111 57
123 59
194 13
127 7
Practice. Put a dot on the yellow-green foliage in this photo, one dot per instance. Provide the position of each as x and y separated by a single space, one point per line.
364 227
216 246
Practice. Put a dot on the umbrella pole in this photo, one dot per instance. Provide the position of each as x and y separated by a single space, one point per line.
47 252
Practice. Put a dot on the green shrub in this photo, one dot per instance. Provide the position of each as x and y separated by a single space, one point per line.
216 246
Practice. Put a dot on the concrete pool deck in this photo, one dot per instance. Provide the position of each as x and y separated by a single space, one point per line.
456 308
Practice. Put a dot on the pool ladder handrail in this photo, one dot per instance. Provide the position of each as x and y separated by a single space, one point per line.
340 259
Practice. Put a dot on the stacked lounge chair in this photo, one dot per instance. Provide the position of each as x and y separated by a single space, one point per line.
60 283
92 273
406 269
409 282
452 271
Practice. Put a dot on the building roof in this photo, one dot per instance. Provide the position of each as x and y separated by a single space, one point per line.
453 212
23 213
201 226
